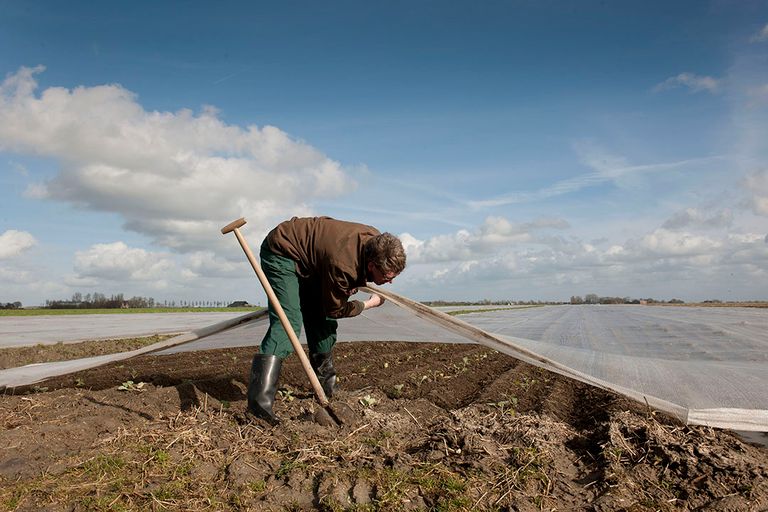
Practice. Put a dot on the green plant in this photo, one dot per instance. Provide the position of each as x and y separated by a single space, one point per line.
257 486
129 385
368 401
286 394
103 465
397 391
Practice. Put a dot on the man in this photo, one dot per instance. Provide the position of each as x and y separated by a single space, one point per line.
314 266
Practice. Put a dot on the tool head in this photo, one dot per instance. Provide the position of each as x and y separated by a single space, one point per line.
233 226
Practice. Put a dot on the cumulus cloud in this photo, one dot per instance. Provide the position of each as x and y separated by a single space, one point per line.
464 245
506 257
663 243
174 176
695 83
13 243
695 218
208 264
118 262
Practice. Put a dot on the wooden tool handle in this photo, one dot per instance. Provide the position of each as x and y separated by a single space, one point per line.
233 225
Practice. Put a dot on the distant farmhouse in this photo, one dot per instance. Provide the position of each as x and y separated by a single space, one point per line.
240 304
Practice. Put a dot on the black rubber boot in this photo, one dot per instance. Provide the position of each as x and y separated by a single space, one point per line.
326 373
262 388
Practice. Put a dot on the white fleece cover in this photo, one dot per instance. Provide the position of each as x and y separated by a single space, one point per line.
707 366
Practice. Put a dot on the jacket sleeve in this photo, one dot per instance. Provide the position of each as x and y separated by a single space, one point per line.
336 288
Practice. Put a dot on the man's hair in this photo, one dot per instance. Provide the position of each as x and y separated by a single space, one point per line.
386 252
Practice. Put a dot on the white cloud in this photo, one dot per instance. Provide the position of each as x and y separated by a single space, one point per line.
14 276
761 36
662 262
693 217
176 177
663 243
757 186
13 243
494 234
207 264
695 83
118 262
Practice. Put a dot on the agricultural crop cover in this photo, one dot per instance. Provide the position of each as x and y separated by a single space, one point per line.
704 366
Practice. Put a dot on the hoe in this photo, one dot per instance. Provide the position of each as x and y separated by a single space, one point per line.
326 415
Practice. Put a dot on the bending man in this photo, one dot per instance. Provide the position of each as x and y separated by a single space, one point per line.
314 266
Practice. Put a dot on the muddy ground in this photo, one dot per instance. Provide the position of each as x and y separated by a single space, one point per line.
435 427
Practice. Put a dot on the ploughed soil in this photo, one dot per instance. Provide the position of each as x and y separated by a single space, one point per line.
429 427
20 356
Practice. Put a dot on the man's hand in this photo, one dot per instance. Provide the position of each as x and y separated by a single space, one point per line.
373 301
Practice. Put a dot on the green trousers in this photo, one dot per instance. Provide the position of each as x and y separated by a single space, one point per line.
301 300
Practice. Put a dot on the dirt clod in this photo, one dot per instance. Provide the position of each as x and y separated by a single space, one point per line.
431 427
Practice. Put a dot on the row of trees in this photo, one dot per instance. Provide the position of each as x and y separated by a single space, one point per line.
101 301
10 305
593 298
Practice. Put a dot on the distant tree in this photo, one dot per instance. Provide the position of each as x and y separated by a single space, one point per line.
576 299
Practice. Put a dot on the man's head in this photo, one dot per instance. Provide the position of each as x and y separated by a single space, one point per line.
384 258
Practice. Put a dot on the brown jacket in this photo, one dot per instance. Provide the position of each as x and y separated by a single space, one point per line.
330 253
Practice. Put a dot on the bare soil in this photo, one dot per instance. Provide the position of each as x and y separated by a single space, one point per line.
435 427
20 356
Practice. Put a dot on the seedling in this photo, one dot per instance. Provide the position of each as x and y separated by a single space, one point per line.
286 394
368 401
129 385
397 391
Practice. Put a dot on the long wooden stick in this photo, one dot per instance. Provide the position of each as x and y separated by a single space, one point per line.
316 386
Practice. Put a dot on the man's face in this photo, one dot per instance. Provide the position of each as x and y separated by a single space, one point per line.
377 276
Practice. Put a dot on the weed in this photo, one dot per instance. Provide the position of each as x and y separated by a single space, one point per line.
290 464
526 383
157 457
257 486
169 491
183 469
103 465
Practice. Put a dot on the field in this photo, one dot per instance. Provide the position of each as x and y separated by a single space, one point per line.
434 427
118 311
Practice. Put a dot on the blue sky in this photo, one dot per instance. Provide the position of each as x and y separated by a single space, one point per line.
522 150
